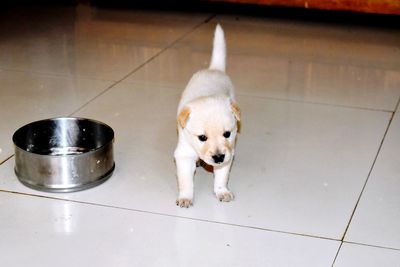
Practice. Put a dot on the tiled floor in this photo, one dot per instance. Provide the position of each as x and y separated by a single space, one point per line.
316 175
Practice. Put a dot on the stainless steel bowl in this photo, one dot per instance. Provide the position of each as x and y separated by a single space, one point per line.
64 154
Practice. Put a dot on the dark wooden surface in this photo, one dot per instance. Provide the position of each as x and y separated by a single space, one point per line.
365 6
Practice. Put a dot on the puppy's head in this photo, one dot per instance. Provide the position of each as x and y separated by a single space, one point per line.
210 125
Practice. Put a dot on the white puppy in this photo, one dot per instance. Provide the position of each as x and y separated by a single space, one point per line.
207 118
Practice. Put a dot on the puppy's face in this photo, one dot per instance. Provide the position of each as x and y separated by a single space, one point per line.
210 125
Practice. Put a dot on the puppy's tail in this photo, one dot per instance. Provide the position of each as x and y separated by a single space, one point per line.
218 57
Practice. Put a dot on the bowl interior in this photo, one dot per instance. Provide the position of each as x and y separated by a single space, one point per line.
63 136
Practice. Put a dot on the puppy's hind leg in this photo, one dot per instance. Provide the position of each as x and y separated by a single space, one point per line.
185 171
221 177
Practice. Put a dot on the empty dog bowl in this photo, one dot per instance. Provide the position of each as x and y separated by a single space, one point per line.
64 154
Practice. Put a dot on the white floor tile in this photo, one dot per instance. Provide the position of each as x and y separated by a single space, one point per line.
330 64
377 216
315 101
43 232
27 97
352 255
88 42
299 167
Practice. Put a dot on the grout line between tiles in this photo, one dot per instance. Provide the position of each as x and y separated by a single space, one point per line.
371 169
171 216
318 103
337 254
4 161
146 62
397 106
362 191
369 245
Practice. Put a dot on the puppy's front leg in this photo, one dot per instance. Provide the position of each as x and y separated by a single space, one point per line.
185 171
221 177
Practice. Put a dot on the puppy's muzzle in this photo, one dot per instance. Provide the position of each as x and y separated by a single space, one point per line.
219 158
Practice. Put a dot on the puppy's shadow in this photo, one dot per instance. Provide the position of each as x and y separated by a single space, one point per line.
205 166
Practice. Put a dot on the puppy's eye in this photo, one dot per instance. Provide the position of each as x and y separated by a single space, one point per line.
202 138
227 134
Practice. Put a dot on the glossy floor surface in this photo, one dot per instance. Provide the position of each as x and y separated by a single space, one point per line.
317 168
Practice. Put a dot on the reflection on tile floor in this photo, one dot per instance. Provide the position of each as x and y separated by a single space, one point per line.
317 101
306 63
88 42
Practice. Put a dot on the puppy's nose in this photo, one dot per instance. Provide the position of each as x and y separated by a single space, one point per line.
219 158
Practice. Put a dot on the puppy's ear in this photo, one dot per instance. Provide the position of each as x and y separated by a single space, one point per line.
236 110
183 117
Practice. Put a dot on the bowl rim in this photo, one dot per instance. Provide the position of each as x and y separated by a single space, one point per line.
65 118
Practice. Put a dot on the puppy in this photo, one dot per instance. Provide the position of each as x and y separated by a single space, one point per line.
207 119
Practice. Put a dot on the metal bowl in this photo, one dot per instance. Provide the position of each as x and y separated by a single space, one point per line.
64 154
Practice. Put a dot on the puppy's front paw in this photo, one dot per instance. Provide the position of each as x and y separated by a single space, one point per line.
184 202
224 196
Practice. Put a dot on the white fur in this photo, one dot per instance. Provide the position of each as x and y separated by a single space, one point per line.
209 97
218 57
